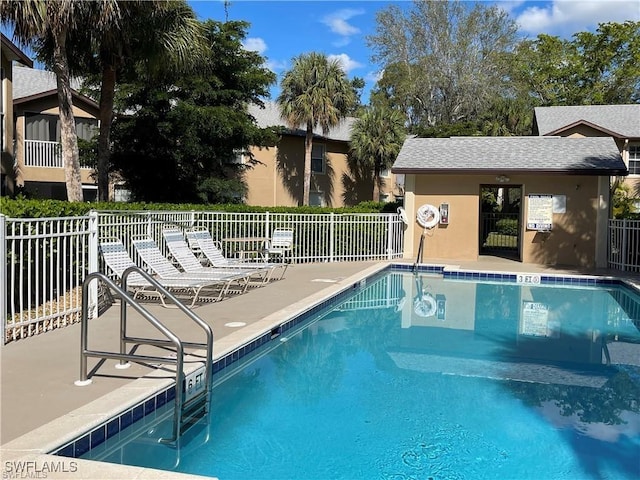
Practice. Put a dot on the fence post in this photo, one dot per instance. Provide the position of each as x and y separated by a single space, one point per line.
267 221
3 277
624 247
332 236
390 237
93 263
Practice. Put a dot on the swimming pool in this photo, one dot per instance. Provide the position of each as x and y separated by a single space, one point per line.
420 376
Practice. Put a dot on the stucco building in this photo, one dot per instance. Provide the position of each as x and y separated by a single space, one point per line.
335 181
620 122
555 191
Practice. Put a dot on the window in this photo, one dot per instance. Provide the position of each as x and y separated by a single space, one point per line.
385 197
238 158
634 160
47 127
385 173
317 159
316 199
121 193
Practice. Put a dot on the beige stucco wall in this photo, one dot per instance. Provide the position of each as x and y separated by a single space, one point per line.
277 179
577 238
6 90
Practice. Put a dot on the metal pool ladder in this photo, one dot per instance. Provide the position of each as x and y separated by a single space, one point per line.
192 392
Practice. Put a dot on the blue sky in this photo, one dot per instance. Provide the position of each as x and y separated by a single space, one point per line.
281 30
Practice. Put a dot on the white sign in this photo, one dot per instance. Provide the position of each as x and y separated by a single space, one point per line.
535 317
540 212
528 279
194 383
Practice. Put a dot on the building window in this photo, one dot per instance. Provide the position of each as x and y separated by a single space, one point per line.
385 173
47 127
316 199
634 160
317 159
238 158
385 197
121 193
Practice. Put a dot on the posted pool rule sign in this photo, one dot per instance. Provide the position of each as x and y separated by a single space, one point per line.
540 212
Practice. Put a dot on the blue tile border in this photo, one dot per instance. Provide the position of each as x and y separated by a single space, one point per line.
114 426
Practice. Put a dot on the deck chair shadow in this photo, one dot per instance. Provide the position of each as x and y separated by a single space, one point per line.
213 253
280 245
117 260
150 254
182 254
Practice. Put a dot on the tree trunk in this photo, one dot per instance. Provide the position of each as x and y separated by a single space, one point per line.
376 184
104 138
68 136
308 144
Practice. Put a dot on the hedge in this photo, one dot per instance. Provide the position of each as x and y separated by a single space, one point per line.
38 208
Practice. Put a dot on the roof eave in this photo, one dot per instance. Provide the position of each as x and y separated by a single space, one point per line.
449 171
17 54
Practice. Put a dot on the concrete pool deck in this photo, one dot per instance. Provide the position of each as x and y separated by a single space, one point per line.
39 398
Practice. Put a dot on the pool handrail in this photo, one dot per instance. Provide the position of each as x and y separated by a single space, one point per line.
172 339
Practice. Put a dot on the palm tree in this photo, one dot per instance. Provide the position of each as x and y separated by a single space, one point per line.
376 139
172 38
36 22
315 92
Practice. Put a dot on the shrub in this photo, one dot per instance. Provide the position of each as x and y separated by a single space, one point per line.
507 226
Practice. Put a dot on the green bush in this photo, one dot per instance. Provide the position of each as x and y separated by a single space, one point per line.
38 208
507 226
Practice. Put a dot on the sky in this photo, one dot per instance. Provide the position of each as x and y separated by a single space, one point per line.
282 30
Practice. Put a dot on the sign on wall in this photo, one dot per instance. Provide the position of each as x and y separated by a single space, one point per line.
540 212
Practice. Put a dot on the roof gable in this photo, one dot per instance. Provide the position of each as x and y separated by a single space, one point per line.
560 155
13 53
620 121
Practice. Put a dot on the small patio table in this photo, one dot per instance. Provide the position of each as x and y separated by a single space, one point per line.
245 247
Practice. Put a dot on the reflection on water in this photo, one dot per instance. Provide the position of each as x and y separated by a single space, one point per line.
419 377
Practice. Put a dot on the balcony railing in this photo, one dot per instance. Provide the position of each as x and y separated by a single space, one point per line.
40 153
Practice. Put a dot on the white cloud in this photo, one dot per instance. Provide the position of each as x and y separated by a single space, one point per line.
346 62
255 45
338 21
276 65
566 17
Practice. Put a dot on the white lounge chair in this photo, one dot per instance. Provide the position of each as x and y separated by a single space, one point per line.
213 253
152 257
281 244
186 259
117 260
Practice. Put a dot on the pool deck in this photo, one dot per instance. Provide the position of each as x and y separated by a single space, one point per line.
41 407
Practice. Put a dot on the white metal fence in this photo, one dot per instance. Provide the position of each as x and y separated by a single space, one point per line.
48 259
624 245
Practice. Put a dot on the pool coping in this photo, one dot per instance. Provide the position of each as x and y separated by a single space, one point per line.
32 449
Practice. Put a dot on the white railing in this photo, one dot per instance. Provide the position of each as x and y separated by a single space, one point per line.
48 259
318 237
624 245
46 263
40 153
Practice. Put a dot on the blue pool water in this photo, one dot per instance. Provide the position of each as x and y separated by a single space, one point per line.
417 377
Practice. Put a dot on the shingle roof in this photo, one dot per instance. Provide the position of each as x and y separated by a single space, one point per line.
623 120
584 156
30 81
270 116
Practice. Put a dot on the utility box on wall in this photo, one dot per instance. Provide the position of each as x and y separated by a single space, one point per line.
444 213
